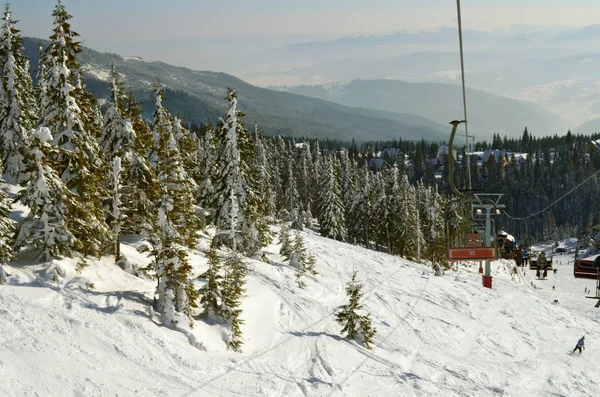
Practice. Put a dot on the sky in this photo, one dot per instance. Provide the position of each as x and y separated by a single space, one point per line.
161 30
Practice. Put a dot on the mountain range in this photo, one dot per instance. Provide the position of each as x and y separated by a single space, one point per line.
361 110
487 113
198 96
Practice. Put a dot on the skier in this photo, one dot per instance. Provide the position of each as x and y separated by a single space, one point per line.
580 345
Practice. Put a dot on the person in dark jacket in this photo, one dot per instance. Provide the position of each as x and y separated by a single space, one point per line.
580 345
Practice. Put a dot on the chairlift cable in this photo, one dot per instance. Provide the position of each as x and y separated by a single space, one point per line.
462 70
555 202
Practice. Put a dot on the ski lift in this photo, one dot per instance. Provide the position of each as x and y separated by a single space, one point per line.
586 268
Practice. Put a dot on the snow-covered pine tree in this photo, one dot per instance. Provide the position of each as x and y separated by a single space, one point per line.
395 220
381 218
407 232
211 293
291 198
303 172
356 325
175 292
78 162
348 191
47 198
141 187
117 132
236 186
117 217
433 222
19 113
233 292
187 144
301 259
132 111
139 184
205 172
175 183
267 206
7 233
91 116
361 211
331 209
285 241
318 169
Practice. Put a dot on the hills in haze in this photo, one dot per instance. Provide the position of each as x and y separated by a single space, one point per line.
199 97
487 113
361 109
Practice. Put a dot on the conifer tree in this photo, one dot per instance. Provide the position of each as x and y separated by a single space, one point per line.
175 292
361 211
187 144
205 172
19 104
286 243
78 161
233 292
141 189
302 260
236 186
291 198
117 218
356 325
267 206
380 211
174 180
211 294
117 132
7 233
48 198
139 184
331 209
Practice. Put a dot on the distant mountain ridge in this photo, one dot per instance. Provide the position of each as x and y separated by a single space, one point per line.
198 96
487 113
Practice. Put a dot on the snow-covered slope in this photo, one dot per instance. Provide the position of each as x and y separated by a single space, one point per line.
436 336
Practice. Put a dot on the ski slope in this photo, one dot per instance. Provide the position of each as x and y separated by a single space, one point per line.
436 336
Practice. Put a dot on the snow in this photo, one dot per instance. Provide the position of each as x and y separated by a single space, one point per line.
436 336
97 72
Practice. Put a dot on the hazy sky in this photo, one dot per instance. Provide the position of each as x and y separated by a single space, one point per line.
159 29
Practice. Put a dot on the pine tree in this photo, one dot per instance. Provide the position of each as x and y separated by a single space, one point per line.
78 161
211 294
175 182
236 186
7 232
117 132
286 243
19 102
205 172
140 185
117 217
381 211
361 211
187 144
175 292
291 198
233 292
356 326
267 206
302 260
331 209
48 198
